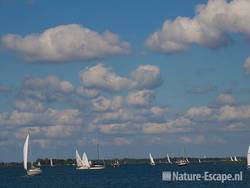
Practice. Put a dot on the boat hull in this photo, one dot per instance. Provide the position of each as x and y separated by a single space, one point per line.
34 172
97 167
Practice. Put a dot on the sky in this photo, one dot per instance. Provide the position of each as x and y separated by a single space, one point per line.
134 77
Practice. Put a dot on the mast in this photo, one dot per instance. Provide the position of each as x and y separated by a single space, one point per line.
98 155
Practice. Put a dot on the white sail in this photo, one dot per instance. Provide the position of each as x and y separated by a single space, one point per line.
25 152
235 159
248 157
51 162
39 164
168 158
151 159
85 160
199 161
231 158
78 160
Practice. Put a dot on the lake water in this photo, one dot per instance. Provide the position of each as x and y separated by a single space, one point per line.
126 176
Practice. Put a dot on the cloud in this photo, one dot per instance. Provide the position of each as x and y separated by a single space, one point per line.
201 139
46 89
234 113
146 77
87 92
202 89
4 89
199 112
29 105
209 27
65 43
226 99
100 77
50 117
140 98
247 65
178 125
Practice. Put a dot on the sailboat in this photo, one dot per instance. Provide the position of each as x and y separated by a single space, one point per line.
51 163
231 158
184 161
79 163
168 158
84 164
235 159
199 160
152 162
39 164
97 166
32 171
248 158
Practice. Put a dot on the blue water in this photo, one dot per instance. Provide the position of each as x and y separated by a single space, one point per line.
127 176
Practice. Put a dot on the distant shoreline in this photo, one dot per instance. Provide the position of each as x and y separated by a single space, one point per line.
59 162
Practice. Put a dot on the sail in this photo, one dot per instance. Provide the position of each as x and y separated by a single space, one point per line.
231 158
25 152
151 159
199 161
85 160
248 157
235 158
168 158
39 164
51 162
78 160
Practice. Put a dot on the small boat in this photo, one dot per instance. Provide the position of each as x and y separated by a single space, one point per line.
115 164
51 163
151 160
168 158
79 162
84 164
39 164
248 158
32 171
182 162
199 161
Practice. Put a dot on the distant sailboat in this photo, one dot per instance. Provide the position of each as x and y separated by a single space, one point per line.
231 158
79 163
235 159
248 158
51 163
97 166
199 161
152 162
184 161
168 158
39 164
33 170
84 164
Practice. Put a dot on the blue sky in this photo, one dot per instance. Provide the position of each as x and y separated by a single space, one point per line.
109 72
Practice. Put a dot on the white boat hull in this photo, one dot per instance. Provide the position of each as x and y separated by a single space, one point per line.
96 167
82 168
34 172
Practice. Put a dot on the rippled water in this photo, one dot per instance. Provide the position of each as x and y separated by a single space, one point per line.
134 176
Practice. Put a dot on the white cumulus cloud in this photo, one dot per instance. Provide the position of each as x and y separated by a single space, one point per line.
65 43
209 27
